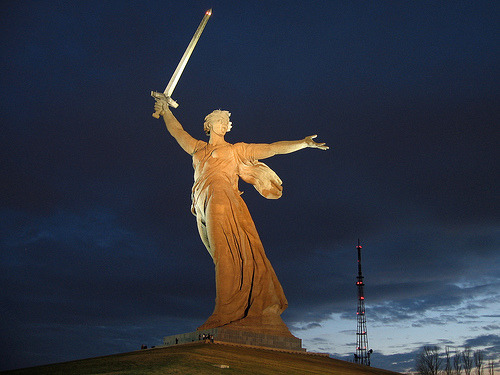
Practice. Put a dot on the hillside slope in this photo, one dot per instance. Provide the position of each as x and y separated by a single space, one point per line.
205 358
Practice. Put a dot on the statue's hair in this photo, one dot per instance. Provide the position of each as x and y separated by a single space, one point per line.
215 115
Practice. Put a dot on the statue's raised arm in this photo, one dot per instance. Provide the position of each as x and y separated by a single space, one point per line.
185 140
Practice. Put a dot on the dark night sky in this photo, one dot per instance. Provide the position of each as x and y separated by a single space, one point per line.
99 251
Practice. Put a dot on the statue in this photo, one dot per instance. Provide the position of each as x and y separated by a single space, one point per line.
248 294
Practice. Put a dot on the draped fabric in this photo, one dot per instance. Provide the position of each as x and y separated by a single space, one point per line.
246 284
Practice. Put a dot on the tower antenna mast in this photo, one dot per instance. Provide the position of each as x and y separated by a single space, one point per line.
362 355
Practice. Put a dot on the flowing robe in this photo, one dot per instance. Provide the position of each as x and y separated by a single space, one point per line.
247 288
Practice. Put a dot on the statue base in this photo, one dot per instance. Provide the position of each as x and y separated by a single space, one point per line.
267 324
235 336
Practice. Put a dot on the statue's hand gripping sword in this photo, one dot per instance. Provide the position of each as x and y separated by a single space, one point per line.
167 94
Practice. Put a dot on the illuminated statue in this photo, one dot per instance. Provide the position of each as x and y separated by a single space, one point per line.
249 296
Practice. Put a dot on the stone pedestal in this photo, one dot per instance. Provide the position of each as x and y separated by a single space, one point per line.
222 334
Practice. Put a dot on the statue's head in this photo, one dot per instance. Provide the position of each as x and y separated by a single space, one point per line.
215 117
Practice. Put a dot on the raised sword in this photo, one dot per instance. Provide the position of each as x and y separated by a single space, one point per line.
167 94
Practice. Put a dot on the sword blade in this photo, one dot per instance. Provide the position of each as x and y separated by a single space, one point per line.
187 54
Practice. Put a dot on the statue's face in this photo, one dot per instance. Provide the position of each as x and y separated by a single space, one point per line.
220 126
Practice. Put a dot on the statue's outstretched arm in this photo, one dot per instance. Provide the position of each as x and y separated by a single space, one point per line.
174 127
264 150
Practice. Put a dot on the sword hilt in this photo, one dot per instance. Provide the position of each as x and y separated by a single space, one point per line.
161 96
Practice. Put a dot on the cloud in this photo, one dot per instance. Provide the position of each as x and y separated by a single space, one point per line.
491 327
491 341
99 264
306 327
433 321
402 363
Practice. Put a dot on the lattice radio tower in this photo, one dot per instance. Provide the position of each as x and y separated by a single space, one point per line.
362 355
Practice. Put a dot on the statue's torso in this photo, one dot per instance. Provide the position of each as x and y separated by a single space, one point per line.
217 163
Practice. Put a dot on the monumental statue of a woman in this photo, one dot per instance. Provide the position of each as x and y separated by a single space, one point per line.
249 296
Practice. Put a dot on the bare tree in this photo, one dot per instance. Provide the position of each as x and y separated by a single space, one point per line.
428 361
447 367
457 365
467 360
478 360
491 367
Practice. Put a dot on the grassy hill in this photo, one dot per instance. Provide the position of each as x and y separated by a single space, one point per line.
205 358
